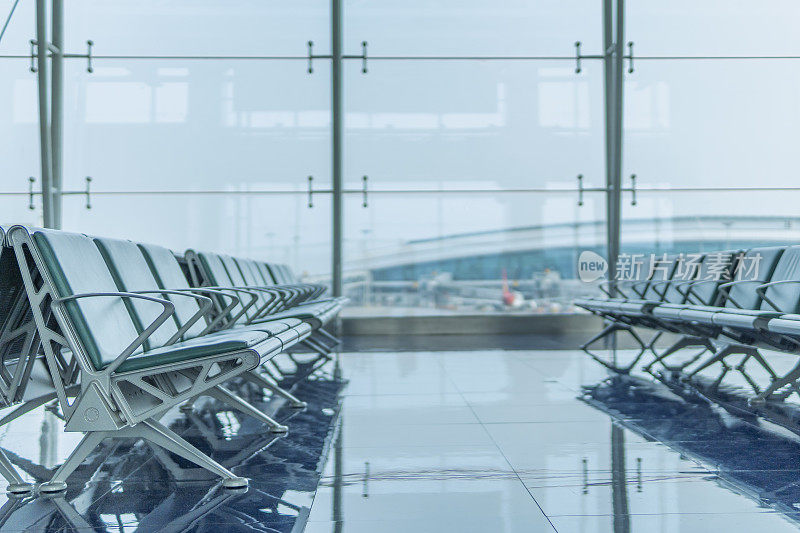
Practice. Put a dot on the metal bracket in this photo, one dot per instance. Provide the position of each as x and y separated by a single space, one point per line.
89 67
88 192
310 58
580 190
364 191
310 192
633 189
577 57
363 57
33 56
31 181
630 57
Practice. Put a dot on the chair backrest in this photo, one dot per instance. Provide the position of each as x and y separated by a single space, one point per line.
288 275
662 269
785 296
263 268
687 268
763 261
103 325
238 280
214 269
276 273
169 275
132 274
716 269
252 276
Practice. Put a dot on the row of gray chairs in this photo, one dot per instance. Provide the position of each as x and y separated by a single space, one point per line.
114 335
729 303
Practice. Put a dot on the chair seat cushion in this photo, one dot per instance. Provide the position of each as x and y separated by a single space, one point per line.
215 344
786 324
668 311
702 314
743 318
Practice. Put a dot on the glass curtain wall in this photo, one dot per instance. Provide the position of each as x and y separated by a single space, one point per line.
469 131
199 126
468 126
710 126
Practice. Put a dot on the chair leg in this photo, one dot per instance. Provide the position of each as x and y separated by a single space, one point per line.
336 341
152 431
748 352
16 485
89 442
718 357
263 381
790 378
161 435
684 342
608 330
224 395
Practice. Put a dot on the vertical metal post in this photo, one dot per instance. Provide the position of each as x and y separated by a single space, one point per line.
619 482
619 85
613 136
336 138
44 114
613 90
56 108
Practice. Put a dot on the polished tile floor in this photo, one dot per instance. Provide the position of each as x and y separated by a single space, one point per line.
465 441
500 441
125 485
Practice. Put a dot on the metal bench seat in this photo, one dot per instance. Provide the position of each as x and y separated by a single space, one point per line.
114 366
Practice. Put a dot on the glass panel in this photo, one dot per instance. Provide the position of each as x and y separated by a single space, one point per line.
666 221
14 210
197 125
712 123
279 228
21 27
714 27
19 127
187 27
448 253
486 125
473 27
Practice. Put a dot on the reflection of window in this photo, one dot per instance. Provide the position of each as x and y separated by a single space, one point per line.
646 106
118 102
25 102
563 102
133 102
172 100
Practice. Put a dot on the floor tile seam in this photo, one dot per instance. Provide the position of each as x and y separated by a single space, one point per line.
505 458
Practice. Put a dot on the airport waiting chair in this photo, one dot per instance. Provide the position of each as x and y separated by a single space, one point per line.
737 316
168 275
214 270
132 273
117 354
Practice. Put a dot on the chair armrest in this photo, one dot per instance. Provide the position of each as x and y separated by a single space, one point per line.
725 289
268 306
169 309
761 290
691 285
253 299
205 304
223 312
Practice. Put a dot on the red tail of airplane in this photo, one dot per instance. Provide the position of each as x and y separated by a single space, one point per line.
508 296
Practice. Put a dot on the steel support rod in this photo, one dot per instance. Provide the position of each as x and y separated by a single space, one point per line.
619 86
336 139
44 114
56 108
613 136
